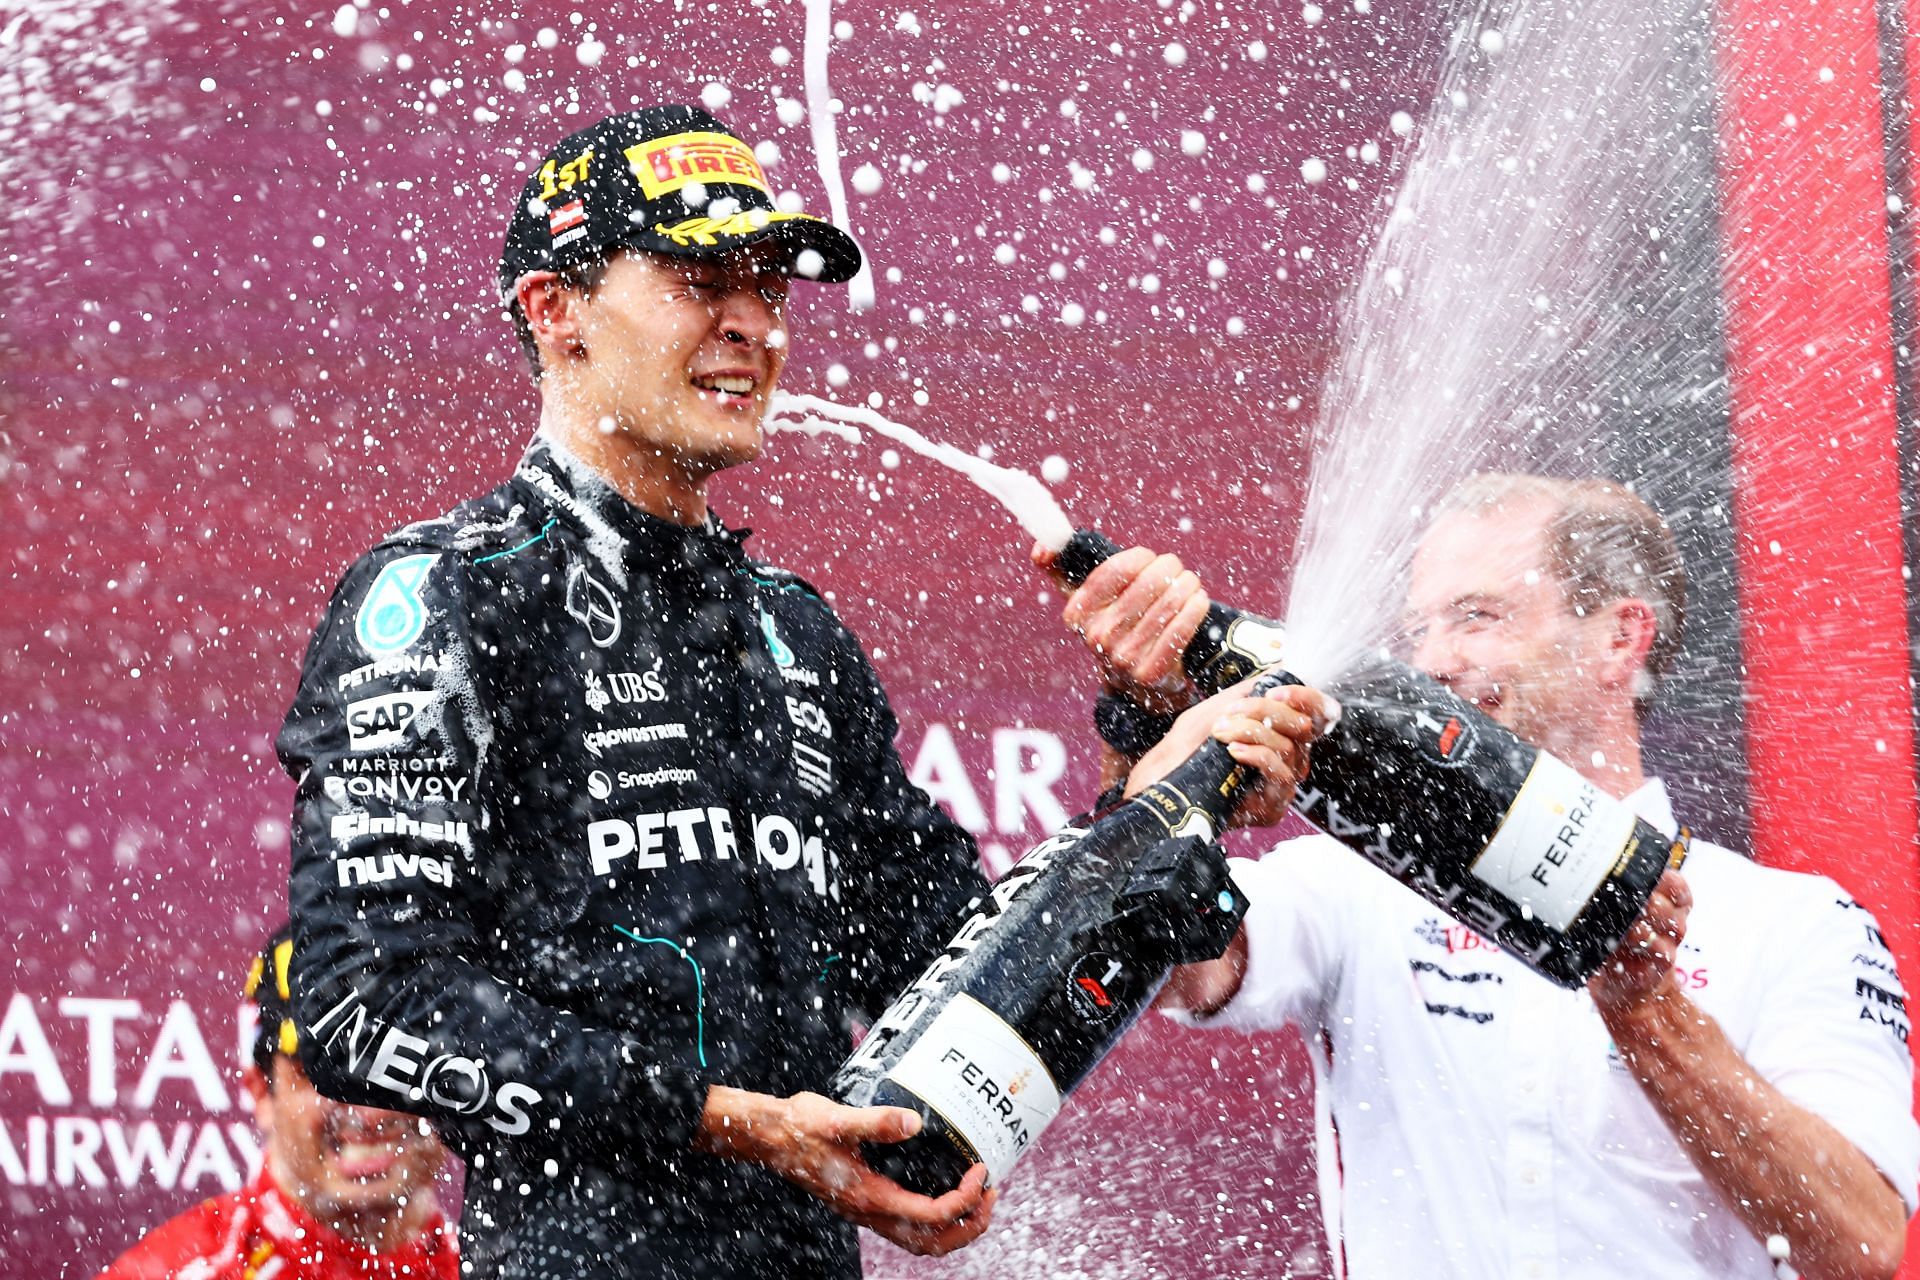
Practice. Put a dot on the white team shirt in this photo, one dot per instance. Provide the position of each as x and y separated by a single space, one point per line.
1476 1120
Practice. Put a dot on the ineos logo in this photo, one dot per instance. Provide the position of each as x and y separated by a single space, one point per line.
457 1083
591 603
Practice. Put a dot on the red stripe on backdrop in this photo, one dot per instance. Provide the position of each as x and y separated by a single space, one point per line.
1815 442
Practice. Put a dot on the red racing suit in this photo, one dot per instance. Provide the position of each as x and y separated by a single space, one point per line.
257 1233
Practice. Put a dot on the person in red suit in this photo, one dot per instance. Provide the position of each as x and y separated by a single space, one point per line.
342 1191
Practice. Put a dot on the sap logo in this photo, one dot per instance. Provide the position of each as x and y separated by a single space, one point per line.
808 716
393 866
405 664
348 827
388 1058
628 688
379 723
640 842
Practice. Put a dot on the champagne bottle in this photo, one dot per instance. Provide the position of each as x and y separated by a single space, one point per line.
1062 956
1230 645
1503 836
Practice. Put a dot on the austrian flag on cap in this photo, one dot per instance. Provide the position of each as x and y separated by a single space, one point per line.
566 217
668 179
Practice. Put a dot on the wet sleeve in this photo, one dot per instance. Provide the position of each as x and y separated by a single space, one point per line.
390 743
1833 1028
911 872
1301 899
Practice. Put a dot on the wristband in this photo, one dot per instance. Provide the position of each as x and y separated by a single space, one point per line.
1128 728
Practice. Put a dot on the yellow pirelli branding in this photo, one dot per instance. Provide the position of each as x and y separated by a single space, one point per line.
667 164
707 231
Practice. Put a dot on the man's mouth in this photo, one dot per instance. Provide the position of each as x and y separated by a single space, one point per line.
727 387
358 1152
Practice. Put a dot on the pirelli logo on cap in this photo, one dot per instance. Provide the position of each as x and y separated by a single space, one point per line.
665 165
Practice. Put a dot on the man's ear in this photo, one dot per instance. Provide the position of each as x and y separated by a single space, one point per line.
254 1081
553 312
1630 630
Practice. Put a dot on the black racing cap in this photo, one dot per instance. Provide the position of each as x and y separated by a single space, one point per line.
670 179
267 987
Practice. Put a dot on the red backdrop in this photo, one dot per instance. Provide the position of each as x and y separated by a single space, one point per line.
250 327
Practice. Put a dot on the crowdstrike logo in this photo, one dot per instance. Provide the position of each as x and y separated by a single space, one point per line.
632 735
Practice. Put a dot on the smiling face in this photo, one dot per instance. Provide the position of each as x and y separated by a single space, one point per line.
1489 620
682 355
343 1162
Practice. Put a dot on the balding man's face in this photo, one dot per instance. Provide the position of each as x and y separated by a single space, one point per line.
1488 620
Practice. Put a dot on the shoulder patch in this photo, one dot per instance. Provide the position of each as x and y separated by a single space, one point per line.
392 615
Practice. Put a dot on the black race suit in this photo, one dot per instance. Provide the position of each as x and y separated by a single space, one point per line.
594 811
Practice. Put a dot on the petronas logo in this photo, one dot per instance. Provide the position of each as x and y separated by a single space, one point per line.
782 655
392 616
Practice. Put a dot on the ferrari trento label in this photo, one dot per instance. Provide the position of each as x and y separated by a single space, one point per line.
1558 842
1261 641
983 1079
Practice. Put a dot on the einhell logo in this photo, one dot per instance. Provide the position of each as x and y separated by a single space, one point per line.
667 164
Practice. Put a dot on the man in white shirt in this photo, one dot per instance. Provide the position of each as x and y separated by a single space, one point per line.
1738 1072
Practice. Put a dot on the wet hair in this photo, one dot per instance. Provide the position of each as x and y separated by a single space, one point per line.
584 276
1604 543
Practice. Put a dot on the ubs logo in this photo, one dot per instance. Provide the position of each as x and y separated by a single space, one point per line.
591 603
628 688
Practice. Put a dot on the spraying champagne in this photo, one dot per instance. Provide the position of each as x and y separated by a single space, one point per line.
1061 958
1497 833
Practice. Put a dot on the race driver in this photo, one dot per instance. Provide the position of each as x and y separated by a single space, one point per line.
343 1192
601 842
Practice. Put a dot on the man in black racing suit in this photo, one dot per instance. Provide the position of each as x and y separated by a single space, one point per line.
601 842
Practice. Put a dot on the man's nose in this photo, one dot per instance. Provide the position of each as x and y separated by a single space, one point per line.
1436 654
747 317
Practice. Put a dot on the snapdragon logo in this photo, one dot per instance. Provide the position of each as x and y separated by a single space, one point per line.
388 1058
